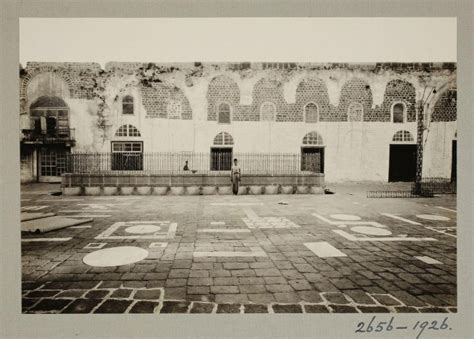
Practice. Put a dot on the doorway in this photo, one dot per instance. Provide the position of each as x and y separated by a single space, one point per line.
402 163
221 158
312 159
52 163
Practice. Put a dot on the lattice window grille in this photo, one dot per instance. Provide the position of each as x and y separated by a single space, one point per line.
313 138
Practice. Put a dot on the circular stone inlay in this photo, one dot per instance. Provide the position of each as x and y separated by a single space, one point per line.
432 217
142 229
115 256
346 217
370 230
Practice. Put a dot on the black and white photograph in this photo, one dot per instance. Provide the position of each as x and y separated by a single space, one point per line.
255 167
237 187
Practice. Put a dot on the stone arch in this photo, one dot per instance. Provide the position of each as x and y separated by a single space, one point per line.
32 74
445 108
270 90
313 90
221 88
399 91
355 90
165 100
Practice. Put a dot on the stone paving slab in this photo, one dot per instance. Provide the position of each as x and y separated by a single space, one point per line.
155 300
374 276
26 216
50 223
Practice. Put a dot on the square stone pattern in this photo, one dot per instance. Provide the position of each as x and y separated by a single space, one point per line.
118 230
269 222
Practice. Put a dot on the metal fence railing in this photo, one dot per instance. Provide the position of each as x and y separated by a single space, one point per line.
439 185
428 187
175 163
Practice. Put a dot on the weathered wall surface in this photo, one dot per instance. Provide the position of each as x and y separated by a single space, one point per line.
176 108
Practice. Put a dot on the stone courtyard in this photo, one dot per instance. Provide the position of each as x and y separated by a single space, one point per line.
333 253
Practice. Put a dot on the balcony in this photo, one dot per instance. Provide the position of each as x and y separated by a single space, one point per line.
53 136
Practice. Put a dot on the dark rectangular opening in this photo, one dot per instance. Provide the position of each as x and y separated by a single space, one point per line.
402 163
127 156
312 159
221 158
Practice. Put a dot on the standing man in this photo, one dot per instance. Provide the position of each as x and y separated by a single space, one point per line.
235 173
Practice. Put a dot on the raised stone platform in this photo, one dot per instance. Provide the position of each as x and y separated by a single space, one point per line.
189 184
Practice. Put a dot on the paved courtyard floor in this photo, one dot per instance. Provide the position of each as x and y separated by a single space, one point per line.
339 253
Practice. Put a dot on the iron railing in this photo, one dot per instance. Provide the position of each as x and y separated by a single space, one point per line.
52 135
174 163
439 185
428 187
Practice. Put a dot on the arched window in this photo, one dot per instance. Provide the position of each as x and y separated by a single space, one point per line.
398 113
50 117
402 136
267 111
221 152
313 138
223 138
223 113
355 111
55 115
312 153
127 104
127 131
311 113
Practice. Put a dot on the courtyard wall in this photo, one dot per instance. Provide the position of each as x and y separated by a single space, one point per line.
175 109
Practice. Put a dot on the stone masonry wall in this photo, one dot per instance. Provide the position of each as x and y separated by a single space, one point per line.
163 92
445 107
175 106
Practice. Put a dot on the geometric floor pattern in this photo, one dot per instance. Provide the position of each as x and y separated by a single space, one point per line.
340 253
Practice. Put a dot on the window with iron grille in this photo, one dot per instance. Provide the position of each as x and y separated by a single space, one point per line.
312 153
267 111
355 111
223 138
311 113
402 136
127 104
133 131
127 156
313 138
221 158
223 114
127 131
398 113
312 159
